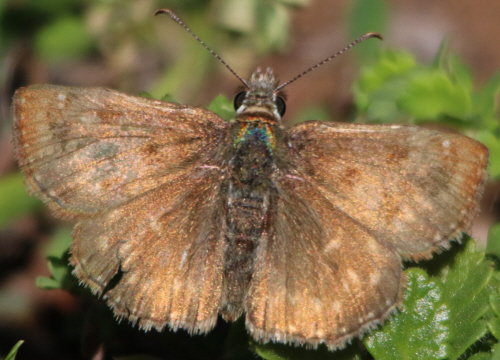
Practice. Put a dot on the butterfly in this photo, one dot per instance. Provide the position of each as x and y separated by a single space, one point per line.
302 230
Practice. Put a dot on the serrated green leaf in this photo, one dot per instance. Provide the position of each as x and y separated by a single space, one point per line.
390 65
495 304
419 331
13 352
480 356
494 327
467 296
15 200
493 243
430 94
222 107
495 352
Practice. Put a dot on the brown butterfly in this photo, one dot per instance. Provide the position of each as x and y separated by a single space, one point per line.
303 229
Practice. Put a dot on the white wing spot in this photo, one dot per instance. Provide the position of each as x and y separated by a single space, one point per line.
446 143
61 98
183 259
375 278
318 305
353 277
332 245
336 306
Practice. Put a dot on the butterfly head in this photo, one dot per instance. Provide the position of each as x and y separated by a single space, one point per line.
260 96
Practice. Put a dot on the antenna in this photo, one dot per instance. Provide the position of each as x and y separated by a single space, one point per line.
357 41
178 21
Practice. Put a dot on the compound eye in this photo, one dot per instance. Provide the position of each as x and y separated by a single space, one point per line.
280 105
238 99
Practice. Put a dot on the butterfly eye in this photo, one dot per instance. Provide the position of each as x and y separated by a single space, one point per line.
280 105
238 99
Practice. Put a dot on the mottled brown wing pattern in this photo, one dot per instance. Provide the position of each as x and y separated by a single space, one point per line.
169 244
361 198
87 149
136 173
320 276
413 189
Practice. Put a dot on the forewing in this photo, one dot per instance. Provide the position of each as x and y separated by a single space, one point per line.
167 249
140 176
87 149
413 189
319 276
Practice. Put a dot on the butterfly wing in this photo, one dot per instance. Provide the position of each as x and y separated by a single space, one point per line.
320 276
136 173
87 149
412 188
167 249
361 198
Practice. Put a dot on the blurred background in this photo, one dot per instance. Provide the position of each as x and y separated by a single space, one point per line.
120 44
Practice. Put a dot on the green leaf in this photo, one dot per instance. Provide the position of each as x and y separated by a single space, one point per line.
481 356
395 88
59 243
13 352
493 144
57 255
485 102
444 315
391 64
381 83
46 283
222 107
16 202
495 306
467 296
495 352
430 94
493 244
419 331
